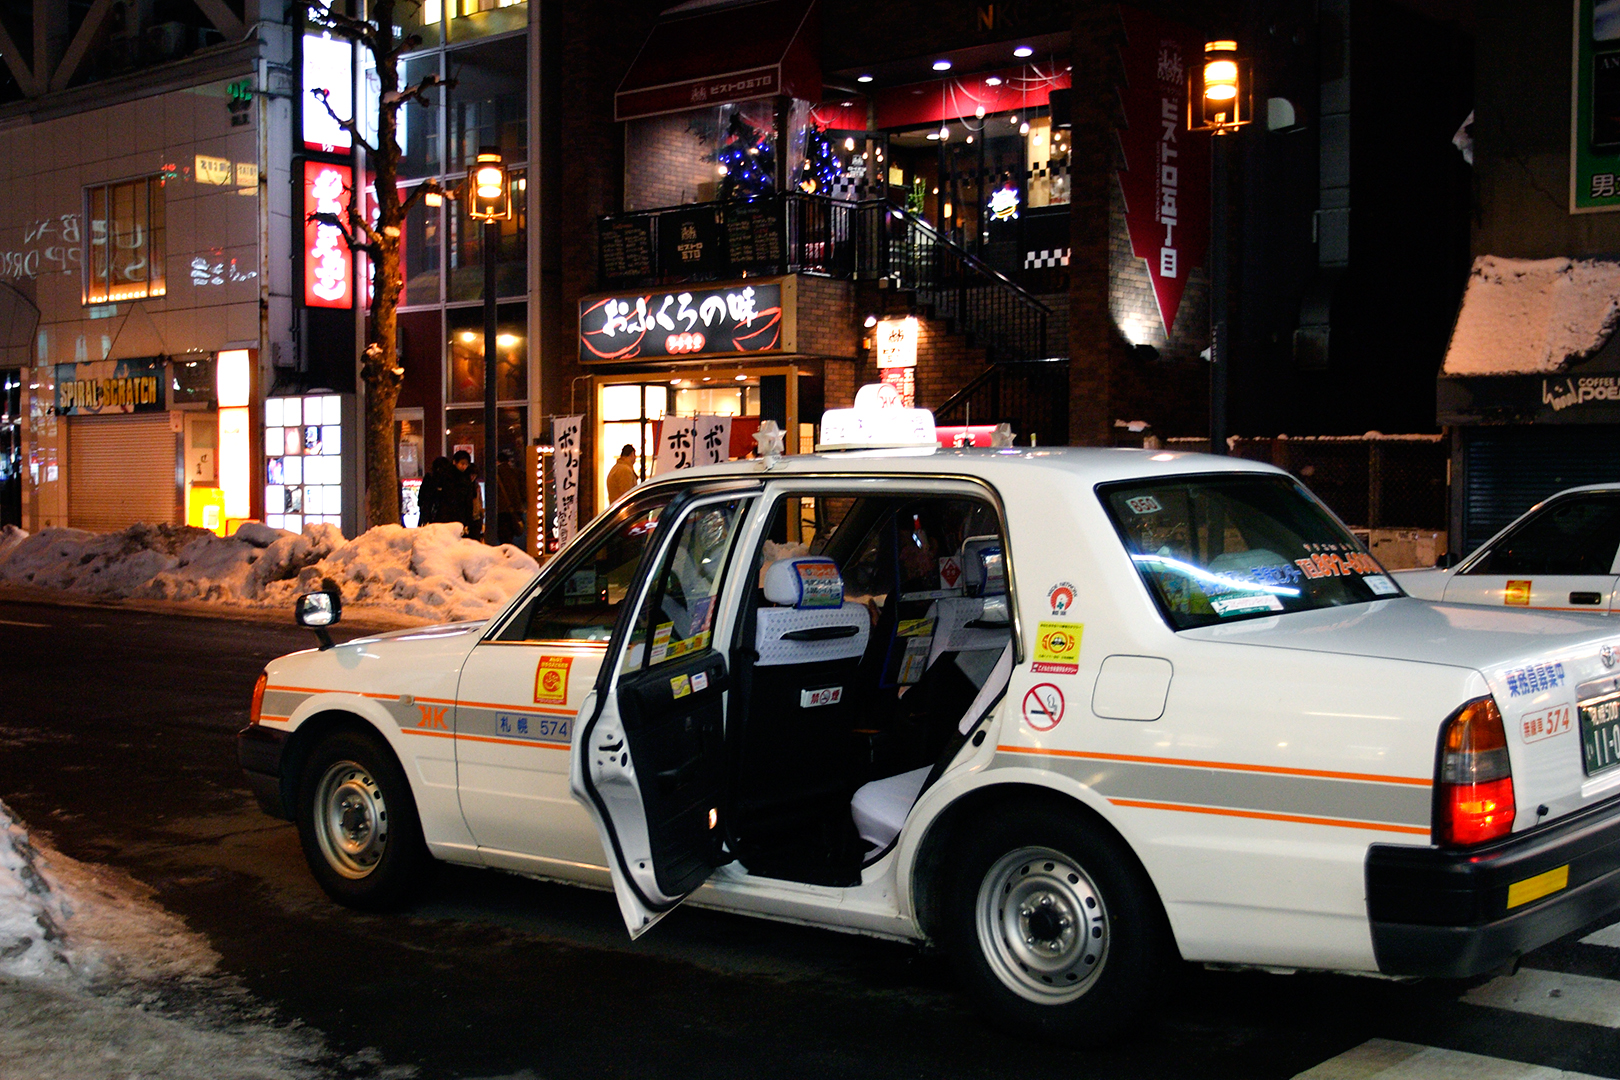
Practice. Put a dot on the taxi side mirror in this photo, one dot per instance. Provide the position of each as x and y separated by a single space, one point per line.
317 611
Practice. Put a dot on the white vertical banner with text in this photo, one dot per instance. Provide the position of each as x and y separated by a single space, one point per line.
713 439
565 438
677 445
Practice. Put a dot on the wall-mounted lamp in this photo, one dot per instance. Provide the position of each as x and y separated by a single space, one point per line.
1219 93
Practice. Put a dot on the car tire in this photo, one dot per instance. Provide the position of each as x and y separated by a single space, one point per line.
358 824
1053 927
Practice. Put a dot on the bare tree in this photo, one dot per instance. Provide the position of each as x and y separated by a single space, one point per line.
379 239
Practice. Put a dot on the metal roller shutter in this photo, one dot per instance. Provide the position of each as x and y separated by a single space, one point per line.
1510 469
121 469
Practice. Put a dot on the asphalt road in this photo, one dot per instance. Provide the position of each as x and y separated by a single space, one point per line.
116 742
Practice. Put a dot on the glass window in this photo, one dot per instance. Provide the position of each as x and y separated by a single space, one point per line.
482 18
425 20
467 353
1573 536
465 431
126 249
423 237
678 618
489 105
582 603
1220 548
511 249
419 140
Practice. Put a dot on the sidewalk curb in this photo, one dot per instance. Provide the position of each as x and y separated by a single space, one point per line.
358 617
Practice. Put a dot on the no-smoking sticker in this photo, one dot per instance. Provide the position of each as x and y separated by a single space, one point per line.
1043 706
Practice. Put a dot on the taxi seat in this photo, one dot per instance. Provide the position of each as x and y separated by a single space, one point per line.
880 808
791 745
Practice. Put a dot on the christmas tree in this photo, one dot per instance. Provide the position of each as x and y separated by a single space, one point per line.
747 160
822 168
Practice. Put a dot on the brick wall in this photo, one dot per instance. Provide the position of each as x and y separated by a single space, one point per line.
669 160
826 318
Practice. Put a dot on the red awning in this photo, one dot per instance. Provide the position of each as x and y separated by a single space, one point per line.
714 54
956 98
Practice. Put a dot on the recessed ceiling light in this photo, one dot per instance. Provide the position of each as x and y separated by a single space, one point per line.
942 65
994 80
933 136
1023 50
863 78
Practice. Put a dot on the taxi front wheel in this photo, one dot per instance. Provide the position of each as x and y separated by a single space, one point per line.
357 823
1054 927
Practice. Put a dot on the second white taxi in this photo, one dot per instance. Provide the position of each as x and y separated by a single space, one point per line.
1071 714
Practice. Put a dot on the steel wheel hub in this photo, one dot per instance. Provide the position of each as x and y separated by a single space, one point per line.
351 819
1042 925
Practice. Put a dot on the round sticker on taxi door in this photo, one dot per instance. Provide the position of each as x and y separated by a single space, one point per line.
1043 706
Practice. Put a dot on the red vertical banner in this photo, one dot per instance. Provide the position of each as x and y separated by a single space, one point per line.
1166 173
328 262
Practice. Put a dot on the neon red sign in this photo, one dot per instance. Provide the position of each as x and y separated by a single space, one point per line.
328 262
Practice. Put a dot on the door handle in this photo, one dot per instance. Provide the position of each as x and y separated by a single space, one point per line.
1585 598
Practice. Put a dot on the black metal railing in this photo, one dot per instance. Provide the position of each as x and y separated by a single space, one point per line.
998 314
774 234
1030 395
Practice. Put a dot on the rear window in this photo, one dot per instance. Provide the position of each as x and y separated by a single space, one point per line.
1215 549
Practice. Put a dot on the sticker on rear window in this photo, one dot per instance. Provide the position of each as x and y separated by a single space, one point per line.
1381 585
1236 605
1144 504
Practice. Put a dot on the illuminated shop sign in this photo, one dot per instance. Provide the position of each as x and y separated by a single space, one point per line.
328 66
683 323
328 262
109 386
896 341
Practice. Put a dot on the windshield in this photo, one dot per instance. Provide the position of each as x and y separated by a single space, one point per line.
1221 548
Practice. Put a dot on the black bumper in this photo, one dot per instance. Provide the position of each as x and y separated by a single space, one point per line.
1445 913
259 750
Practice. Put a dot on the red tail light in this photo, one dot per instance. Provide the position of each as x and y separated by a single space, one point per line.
255 709
1476 777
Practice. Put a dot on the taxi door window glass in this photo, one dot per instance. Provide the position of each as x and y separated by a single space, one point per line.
678 618
1573 536
583 603
1223 548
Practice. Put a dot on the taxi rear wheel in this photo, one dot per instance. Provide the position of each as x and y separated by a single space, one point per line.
1054 928
357 824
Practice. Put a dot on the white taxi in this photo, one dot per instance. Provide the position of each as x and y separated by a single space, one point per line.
1070 713
1562 554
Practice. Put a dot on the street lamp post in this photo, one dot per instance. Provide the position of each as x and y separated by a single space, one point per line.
1218 101
488 203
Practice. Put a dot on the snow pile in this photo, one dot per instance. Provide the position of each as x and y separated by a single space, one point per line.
1532 317
429 573
90 973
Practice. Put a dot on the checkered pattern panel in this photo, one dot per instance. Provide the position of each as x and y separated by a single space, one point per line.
1046 258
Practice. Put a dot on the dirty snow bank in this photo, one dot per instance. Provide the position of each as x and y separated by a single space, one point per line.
1533 316
97 980
431 573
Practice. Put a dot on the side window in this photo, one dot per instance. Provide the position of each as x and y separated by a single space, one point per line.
678 618
583 603
1573 536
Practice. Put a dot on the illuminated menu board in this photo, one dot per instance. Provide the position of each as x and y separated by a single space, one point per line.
303 449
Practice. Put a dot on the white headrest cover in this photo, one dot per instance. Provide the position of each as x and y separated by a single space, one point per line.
804 582
983 570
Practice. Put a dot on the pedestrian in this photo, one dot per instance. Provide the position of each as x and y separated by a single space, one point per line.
622 477
510 519
433 497
465 506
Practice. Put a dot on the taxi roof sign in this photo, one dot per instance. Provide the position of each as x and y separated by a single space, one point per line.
878 421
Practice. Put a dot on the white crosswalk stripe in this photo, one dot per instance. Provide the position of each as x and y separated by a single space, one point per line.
1383 1059
1552 994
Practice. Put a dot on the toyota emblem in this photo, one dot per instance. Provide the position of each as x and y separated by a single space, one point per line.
1606 654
